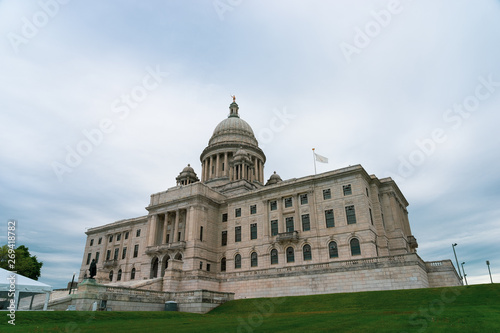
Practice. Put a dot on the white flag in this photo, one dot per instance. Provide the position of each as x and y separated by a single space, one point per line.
320 158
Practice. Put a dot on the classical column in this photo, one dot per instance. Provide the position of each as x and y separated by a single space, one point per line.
244 173
187 224
281 220
165 231
231 172
176 226
217 166
225 165
203 171
152 230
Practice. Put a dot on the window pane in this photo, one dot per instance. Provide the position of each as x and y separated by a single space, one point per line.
224 238
274 227
274 256
330 221
307 252
327 194
223 265
306 223
224 217
237 212
253 259
237 234
333 250
347 189
274 205
289 224
303 199
253 209
237 261
288 202
253 231
350 214
290 257
355 248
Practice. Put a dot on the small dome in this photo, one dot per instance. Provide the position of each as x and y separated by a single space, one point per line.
187 176
274 179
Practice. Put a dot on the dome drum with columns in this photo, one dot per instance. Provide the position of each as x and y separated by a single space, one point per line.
232 153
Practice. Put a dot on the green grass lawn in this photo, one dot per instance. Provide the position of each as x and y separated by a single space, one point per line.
461 309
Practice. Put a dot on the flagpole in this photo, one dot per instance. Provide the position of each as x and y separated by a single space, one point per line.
314 159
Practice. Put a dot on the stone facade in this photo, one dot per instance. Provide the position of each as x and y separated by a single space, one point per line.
231 232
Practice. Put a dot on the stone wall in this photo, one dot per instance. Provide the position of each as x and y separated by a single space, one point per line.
442 274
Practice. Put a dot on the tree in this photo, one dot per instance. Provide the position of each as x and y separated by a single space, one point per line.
23 263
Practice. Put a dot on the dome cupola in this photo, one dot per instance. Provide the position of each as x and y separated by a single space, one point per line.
233 152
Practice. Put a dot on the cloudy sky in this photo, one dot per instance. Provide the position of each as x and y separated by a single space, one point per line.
102 103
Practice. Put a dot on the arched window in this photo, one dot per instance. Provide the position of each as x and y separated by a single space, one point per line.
237 261
223 265
274 256
119 276
333 250
178 256
132 274
290 256
306 250
355 248
111 276
253 259
154 268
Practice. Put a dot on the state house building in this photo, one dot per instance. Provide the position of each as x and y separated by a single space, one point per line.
233 231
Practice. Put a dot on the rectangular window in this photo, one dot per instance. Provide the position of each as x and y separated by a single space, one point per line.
124 253
88 258
136 250
110 238
224 217
306 223
237 234
237 212
288 202
208 267
108 254
329 218
168 239
347 189
253 231
96 257
116 254
91 242
253 209
201 234
289 224
327 194
350 214
224 238
303 199
274 227
138 233
99 241
371 216
201 264
118 237
367 194
179 236
126 235
273 204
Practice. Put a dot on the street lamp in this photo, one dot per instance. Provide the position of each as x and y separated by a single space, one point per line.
71 285
458 267
465 275
488 263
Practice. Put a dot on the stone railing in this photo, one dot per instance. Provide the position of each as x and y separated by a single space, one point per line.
165 247
292 236
110 263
